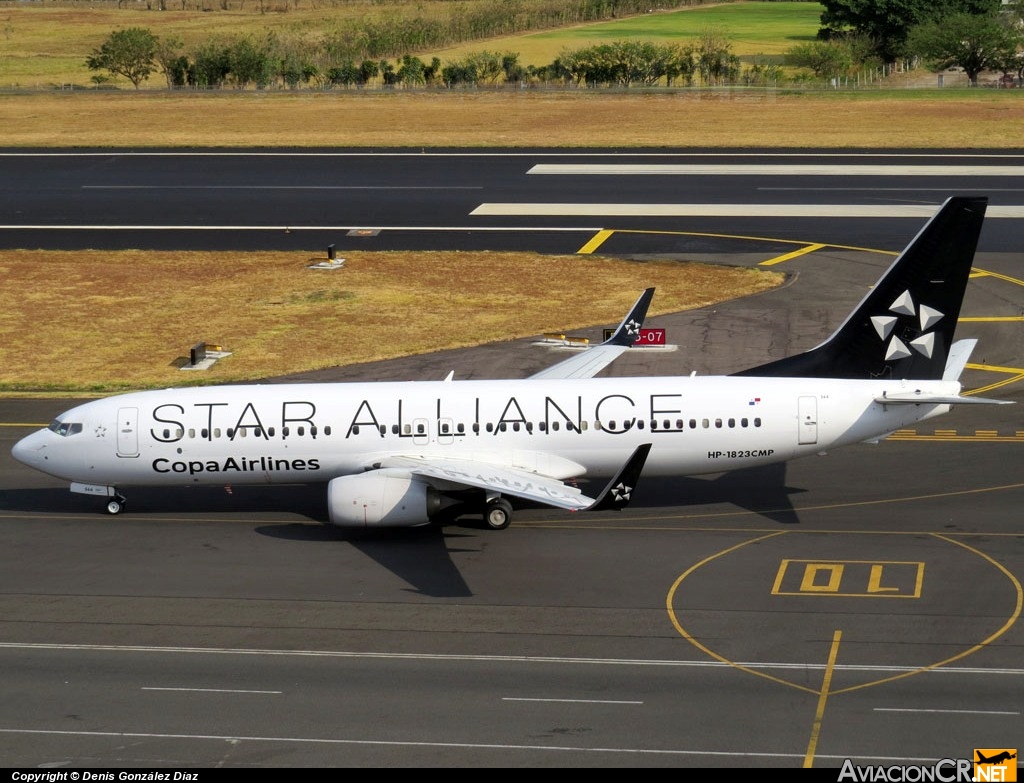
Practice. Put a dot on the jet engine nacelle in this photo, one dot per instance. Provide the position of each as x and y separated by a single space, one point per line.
380 500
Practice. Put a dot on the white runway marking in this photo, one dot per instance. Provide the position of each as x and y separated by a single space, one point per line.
919 211
342 654
101 227
777 169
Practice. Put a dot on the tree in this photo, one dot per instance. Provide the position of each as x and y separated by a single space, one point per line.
827 59
130 53
248 63
972 42
411 71
169 58
887 22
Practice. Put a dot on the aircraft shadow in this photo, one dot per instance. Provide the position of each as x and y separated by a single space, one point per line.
421 556
761 490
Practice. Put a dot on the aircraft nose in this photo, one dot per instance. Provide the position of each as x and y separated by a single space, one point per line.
29 450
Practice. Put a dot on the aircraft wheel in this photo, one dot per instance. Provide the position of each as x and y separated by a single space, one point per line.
498 514
115 505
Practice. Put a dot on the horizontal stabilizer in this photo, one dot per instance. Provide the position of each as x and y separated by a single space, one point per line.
924 398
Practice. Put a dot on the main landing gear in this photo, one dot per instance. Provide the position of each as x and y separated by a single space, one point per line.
116 504
498 513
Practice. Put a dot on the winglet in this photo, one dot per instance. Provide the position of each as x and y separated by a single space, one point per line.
629 330
589 362
619 491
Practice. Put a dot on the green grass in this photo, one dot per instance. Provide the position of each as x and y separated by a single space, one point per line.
753 28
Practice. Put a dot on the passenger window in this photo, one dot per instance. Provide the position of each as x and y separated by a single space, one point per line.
757 422
327 430
204 433
301 431
732 423
743 422
355 429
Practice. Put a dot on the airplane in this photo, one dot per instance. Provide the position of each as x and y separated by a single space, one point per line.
996 759
397 454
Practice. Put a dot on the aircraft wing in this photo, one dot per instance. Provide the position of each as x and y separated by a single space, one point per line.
535 487
589 362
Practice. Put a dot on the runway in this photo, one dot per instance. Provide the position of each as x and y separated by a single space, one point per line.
860 605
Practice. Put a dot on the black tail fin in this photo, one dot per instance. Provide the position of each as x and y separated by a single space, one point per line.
904 327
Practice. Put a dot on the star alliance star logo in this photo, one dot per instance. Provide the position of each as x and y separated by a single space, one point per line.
101 431
632 327
927 318
620 492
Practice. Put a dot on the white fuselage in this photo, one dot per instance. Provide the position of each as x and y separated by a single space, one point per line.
305 433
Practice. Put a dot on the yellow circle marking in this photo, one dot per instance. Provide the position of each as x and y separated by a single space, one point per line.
1014 616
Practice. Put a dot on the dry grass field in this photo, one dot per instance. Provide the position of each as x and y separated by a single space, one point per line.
97 322
951 119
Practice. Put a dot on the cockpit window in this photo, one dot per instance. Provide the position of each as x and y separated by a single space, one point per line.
65 428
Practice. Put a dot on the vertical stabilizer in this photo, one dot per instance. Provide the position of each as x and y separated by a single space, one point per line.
904 327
